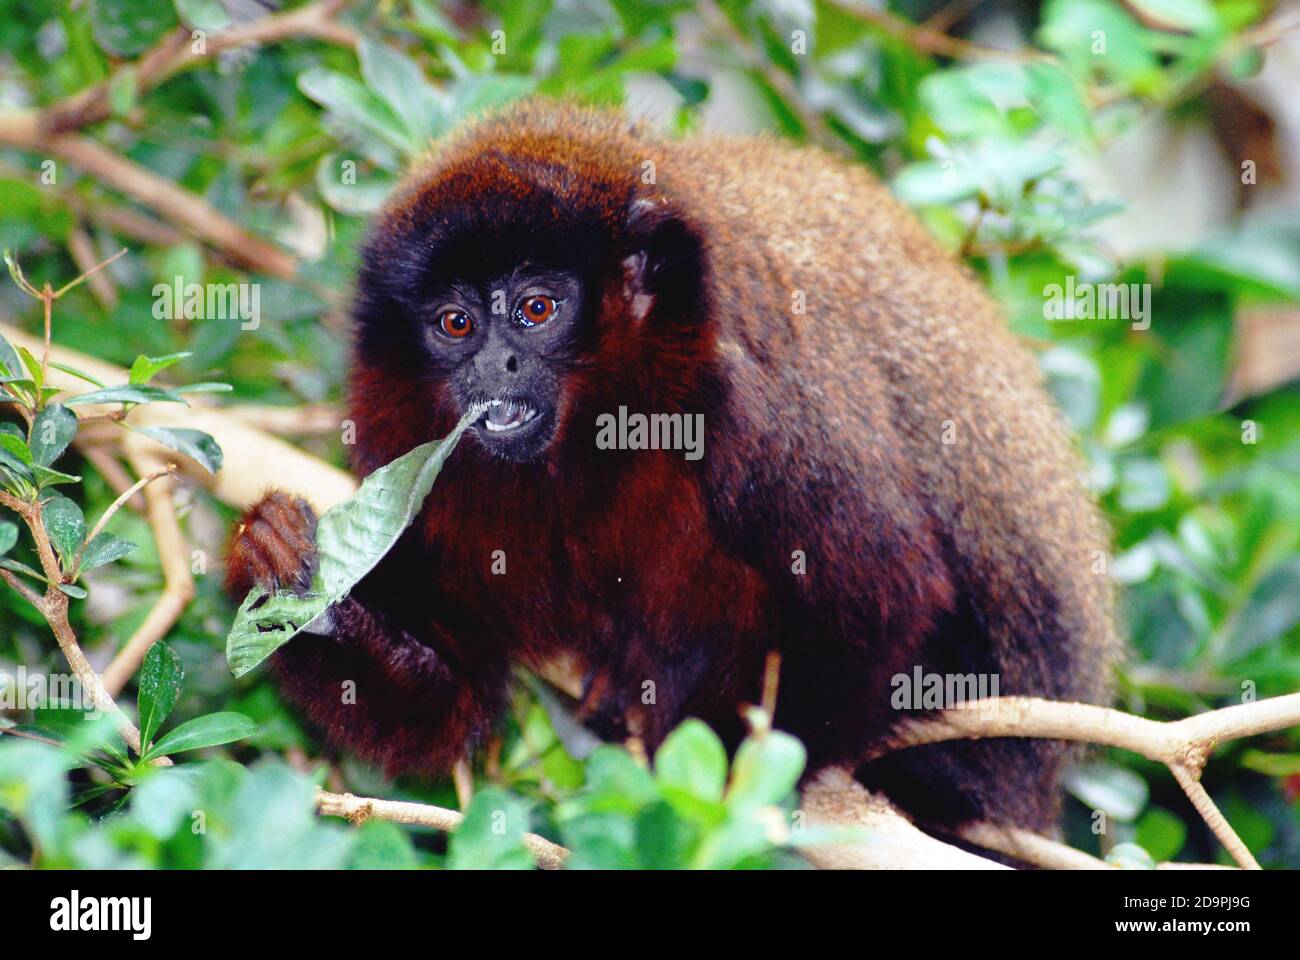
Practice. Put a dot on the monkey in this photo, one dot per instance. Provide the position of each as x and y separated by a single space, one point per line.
885 486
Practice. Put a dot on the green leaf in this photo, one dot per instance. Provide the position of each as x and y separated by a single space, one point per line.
1129 856
484 91
79 374
210 730
52 431
123 91
350 539
734 843
1195 15
163 803
73 590
15 457
127 393
765 770
1161 834
8 536
203 388
124 28
105 548
10 365
357 108
46 477
382 846
145 368
664 841
1272 764
15 567
66 527
160 685
202 14
33 366
935 182
271 822
693 760
972 100
364 196
17 448
195 444
491 837
400 83
1055 95
1272 610
1118 791
264 623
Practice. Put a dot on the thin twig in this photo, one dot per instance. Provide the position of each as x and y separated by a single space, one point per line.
1189 780
126 495
82 250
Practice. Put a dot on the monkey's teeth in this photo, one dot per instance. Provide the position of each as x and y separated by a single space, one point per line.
504 415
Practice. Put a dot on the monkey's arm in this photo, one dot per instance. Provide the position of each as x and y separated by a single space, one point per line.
391 690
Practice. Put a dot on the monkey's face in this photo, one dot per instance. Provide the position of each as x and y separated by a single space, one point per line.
531 274
507 343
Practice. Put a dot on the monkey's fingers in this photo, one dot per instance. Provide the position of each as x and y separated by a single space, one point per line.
273 546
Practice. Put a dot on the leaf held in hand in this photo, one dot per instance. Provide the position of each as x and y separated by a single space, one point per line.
351 539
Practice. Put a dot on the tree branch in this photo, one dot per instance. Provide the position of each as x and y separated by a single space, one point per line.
176 52
1181 745
548 855
54 608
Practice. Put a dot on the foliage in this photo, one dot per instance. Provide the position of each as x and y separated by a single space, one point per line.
298 141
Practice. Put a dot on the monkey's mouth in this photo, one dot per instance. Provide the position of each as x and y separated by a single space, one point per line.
508 415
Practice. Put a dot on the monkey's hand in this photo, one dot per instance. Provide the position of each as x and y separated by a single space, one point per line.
375 681
274 546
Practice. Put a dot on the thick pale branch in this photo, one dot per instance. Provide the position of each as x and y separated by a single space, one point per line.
548 855
1176 742
1029 847
891 842
1182 745
254 461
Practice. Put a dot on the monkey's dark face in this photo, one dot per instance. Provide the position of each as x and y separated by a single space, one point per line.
534 277
506 344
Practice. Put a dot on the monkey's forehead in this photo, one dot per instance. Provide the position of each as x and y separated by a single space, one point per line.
536 161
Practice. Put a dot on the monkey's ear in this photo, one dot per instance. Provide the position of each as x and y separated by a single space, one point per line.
666 263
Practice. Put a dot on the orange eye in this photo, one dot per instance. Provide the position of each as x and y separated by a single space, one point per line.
538 309
455 323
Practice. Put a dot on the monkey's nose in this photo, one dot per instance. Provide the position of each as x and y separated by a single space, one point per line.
492 362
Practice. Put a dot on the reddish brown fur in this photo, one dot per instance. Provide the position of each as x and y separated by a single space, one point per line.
824 435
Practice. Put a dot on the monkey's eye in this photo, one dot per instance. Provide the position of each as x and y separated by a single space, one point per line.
537 309
455 323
